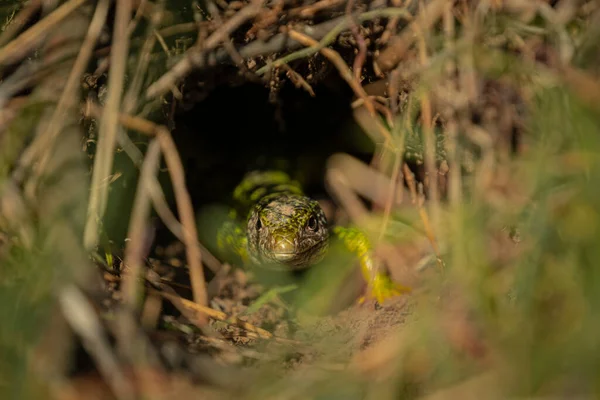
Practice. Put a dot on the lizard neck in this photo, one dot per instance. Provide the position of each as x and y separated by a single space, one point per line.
258 185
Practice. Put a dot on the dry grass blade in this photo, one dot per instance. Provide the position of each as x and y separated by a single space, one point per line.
429 140
25 42
133 347
130 100
160 203
398 45
372 185
393 188
82 318
347 178
134 251
478 387
19 20
418 201
585 85
483 113
107 135
42 147
184 203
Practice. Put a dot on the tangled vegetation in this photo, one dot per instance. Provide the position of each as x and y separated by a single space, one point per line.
460 136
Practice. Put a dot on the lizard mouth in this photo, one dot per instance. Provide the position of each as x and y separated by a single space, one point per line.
285 250
300 259
284 257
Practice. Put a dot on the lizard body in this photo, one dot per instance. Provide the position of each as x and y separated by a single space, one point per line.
274 224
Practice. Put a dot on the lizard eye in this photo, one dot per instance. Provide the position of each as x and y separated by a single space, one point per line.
313 224
258 224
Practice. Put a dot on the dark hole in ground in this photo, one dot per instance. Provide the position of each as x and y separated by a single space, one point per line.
237 129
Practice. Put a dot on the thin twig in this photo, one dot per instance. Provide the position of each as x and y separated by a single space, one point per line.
178 29
227 44
360 58
390 28
186 212
163 43
310 10
196 54
347 75
328 30
298 80
221 316
340 64
139 13
328 37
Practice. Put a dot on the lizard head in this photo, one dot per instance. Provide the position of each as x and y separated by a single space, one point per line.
287 229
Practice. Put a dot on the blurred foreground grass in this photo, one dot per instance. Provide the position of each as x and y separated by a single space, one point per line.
515 311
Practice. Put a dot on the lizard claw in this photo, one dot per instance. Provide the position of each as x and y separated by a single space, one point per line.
383 288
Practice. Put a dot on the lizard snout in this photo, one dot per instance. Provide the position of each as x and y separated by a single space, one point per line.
284 249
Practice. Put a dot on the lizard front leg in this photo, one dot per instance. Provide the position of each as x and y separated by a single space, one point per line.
380 286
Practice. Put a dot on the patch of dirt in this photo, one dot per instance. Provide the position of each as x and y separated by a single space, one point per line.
299 340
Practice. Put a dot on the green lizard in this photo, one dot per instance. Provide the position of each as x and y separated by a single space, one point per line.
275 225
